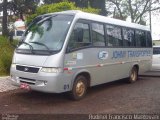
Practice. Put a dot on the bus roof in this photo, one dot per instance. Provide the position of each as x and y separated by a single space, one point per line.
89 16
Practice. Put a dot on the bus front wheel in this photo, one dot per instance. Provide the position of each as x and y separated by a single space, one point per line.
133 75
79 88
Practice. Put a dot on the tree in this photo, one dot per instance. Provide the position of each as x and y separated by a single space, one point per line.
78 3
51 1
57 7
19 7
23 7
99 4
4 21
81 3
135 9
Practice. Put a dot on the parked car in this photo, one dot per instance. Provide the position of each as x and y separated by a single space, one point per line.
156 58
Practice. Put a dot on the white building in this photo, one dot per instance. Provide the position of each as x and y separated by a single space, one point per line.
2 1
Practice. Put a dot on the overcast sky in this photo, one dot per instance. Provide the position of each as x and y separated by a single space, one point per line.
156 26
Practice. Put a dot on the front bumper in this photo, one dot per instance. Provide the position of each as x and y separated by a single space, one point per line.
43 82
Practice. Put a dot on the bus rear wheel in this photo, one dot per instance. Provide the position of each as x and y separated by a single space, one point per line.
79 88
133 75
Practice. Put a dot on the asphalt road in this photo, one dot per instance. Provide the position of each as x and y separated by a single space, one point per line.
142 97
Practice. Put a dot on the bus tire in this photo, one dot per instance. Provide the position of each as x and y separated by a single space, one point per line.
79 88
133 77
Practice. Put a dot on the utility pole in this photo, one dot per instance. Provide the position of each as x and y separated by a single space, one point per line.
150 15
4 21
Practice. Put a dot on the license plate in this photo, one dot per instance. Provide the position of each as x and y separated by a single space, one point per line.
25 86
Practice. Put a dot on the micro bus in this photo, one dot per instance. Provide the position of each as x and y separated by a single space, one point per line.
70 51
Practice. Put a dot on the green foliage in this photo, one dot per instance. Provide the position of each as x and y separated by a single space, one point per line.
6 53
89 10
23 7
57 7
62 6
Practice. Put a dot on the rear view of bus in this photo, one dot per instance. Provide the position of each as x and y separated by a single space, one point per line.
72 50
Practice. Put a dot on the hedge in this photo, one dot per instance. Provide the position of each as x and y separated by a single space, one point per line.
6 53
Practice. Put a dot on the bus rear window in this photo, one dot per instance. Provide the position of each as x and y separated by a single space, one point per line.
156 50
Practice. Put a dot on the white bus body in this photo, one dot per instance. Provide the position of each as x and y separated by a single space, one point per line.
81 50
156 58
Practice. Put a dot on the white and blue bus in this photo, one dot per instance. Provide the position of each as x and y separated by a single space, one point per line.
72 50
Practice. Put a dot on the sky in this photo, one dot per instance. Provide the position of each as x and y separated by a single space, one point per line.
156 26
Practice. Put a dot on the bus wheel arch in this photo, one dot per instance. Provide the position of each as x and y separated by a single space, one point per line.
133 75
84 73
87 76
80 85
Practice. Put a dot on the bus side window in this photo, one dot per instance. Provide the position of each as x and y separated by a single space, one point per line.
149 39
79 37
98 34
156 50
114 36
140 38
128 36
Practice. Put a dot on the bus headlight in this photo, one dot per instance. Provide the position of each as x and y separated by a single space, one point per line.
13 65
51 70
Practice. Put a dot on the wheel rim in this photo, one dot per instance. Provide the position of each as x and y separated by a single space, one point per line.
80 88
133 75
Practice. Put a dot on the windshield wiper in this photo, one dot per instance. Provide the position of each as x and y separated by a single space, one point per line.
30 46
38 43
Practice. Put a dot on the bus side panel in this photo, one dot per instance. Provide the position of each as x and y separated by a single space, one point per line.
101 69
107 64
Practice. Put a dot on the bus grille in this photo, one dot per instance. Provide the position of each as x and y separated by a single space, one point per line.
27 69
27 80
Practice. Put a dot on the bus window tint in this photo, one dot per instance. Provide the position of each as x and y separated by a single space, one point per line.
20 32
98 34
140 38
149 39
156 50
80 36
128 36
114 36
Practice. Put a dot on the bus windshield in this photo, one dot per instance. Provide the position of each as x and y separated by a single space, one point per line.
47 34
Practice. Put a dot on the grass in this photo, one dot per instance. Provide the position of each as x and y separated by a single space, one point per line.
6 53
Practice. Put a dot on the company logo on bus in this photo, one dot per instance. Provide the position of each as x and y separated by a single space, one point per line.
26 69
103 55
